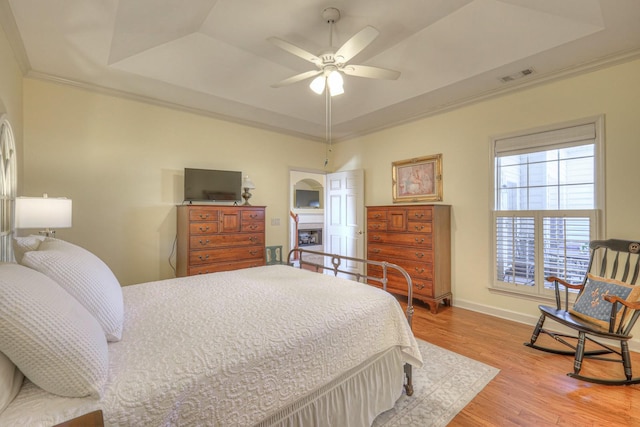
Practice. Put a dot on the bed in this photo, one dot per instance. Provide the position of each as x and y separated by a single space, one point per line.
272 345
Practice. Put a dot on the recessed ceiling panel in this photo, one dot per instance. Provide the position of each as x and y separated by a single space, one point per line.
213 56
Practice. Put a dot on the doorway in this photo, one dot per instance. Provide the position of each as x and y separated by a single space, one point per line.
327 213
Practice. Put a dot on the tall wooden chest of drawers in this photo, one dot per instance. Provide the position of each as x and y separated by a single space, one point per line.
219 238
417 238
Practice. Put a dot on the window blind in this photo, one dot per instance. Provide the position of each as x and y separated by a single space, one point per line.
546 140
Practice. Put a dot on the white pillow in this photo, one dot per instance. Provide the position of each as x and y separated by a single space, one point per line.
50 336
10 381
85 277
25 244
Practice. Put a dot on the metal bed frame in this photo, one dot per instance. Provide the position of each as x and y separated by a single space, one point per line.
296 257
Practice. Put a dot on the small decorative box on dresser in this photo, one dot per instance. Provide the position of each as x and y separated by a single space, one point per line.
417 238
219 238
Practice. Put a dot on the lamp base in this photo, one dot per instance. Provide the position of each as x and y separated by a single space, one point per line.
246 196
47 232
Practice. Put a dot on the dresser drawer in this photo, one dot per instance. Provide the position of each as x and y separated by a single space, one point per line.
419 227
252 226
223 240
396 283
376 226
376 215
203 215
225 254
225 266
253 215
404 239
421 214
203 227
389 253
415 269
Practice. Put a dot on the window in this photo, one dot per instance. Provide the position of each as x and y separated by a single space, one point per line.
547 196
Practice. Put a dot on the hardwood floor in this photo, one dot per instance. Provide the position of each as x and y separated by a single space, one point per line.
532 388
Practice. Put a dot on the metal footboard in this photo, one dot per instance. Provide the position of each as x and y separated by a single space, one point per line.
337 266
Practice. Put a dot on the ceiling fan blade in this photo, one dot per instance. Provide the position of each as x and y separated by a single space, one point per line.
297 78
356 44
370 72
297 51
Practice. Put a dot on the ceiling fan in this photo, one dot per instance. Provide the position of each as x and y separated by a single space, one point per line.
331 63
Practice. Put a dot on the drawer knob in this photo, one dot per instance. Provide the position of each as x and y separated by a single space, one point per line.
204 242
419 286
419 254
253 239
204 228
419 270
419 227
253 216
419 214
419 240
375 251
376 226
253 252
377 215
376 237
204 216
253 226
203 258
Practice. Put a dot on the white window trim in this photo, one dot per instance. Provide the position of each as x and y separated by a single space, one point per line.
522 291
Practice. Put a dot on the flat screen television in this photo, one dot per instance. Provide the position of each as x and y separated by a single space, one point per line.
307 199
212 185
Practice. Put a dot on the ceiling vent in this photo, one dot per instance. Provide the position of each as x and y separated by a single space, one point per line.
515 76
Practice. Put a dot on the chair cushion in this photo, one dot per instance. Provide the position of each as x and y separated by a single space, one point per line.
592 307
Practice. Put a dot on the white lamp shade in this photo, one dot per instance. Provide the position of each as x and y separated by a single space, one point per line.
335 82
43 212
247 183
317 84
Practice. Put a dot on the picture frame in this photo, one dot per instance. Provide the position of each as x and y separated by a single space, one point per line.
417 180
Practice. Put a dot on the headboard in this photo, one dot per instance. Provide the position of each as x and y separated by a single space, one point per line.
8 188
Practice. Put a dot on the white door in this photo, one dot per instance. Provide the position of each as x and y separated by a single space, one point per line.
344 216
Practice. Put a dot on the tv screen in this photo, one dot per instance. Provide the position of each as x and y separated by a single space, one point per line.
212 185
307 199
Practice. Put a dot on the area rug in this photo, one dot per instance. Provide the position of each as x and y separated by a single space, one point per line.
444 385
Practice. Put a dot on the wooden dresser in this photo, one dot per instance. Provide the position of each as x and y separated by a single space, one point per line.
219 238
417 238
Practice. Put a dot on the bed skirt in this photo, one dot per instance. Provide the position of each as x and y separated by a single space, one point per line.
354 399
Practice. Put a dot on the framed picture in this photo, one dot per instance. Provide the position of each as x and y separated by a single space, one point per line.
417 180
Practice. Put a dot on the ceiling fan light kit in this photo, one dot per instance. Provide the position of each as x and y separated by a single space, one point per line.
333 63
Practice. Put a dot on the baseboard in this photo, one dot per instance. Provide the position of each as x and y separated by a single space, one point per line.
634 343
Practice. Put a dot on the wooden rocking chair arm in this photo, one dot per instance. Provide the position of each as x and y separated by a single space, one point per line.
563 282
613 299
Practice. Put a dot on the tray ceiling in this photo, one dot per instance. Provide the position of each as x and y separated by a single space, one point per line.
213 57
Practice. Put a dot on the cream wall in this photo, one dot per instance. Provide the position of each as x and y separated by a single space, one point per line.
463 136
121 162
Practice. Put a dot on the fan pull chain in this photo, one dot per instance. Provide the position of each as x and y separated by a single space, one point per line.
327 122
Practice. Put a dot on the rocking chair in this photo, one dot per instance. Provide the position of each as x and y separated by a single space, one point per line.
606 307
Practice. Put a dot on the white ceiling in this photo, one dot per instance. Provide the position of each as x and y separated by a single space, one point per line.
213 57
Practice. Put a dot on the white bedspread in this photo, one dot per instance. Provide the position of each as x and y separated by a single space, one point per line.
230 348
